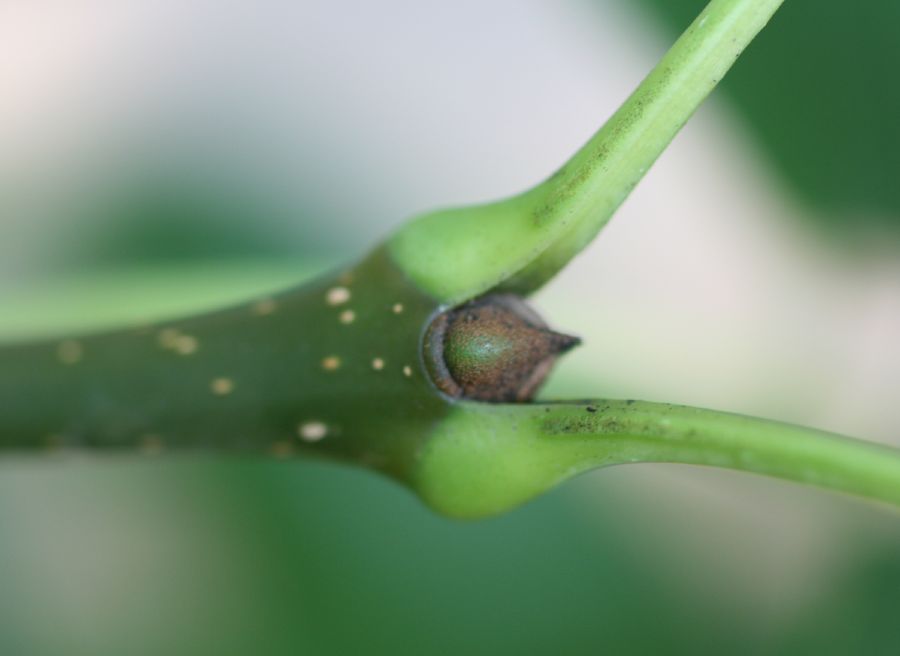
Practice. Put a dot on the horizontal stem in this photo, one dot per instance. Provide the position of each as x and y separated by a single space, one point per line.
486 459
653 432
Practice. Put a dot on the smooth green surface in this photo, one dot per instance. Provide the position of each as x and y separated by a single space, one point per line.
518 244
109 299
819 99
279 373
487 459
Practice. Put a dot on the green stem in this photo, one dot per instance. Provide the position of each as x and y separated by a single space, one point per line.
520 243
330 367
335 366
476 468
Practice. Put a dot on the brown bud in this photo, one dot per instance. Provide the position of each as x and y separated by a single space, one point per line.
493 349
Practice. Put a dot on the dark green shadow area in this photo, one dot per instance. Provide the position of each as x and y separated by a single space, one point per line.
819 92
227 557
862 619
164 222
315 558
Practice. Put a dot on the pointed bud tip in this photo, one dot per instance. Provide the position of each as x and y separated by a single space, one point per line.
563 343
493 349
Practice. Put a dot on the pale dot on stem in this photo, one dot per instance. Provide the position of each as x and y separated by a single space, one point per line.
347 316
186 345
398 308
407 371
312 431
168 337
151 445
378 364
70 351
222 386
331 363
264 307
337 295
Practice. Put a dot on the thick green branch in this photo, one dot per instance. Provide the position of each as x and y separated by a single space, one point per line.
329 367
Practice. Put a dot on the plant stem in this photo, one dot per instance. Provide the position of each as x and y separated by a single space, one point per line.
653 432
480 469
586 192
330 367
521 242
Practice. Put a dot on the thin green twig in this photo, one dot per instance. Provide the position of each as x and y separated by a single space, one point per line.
520 243
477 465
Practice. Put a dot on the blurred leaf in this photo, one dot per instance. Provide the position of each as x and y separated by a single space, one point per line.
154 220
860 617
820 93
113 297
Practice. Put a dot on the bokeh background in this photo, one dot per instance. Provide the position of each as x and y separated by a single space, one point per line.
159 156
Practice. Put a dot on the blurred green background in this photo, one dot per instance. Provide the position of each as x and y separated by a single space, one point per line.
819 96
161 157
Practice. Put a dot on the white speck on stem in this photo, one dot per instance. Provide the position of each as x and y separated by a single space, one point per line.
186 345
222 386
167 338
264 307
312 431
337 295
